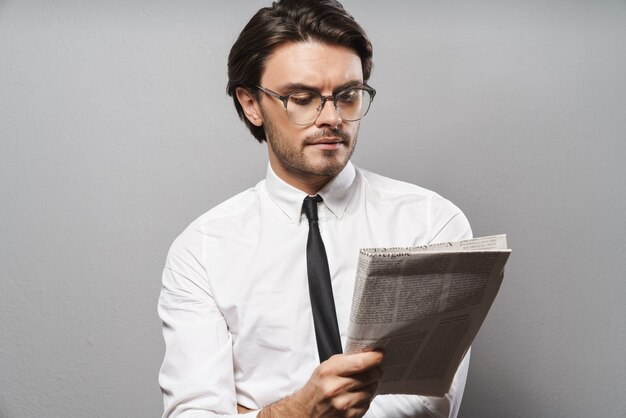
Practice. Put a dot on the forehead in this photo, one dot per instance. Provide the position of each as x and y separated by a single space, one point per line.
313 64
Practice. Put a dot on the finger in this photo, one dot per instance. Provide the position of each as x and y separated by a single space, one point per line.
355 383
355 403
367 393
364 379
330 386
351 364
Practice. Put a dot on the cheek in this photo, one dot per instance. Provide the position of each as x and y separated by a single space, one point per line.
289 137
351 129
294 136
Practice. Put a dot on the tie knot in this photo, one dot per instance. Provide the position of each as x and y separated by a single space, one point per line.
310 207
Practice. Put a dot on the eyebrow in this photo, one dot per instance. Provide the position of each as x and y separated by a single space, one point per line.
301 86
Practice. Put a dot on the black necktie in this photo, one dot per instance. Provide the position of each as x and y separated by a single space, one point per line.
320 289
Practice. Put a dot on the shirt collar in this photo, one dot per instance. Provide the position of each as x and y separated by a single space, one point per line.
336 193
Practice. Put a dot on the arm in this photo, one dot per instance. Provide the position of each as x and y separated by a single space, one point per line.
196 375
456 228
197 378
342 386
197 371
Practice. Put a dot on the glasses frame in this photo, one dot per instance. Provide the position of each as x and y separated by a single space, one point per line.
323 99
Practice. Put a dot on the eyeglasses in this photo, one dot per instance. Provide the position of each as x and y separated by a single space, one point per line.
304 106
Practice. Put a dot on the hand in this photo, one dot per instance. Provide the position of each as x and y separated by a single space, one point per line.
341 387
242 409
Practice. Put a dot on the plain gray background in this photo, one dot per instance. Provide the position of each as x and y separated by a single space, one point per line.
116 132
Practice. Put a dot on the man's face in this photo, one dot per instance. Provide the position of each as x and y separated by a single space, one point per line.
309 156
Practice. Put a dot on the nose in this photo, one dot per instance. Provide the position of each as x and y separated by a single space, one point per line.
328 115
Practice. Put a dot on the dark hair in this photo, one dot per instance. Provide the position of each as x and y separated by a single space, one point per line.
291 21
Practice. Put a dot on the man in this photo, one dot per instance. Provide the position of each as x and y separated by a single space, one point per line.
237 297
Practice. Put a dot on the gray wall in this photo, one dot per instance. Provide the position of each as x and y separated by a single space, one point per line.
116 132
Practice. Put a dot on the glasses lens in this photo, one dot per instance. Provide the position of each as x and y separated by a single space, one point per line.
303 107
353 104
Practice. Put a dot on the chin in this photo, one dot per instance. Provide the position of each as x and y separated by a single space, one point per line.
329 170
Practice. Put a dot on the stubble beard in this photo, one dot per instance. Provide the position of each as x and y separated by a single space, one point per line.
294 157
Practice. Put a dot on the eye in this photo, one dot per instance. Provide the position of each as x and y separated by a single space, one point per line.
302 98
349 96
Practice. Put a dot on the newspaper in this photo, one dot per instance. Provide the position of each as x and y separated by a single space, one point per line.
423 306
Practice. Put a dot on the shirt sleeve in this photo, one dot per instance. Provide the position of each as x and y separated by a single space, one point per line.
456 228
196 376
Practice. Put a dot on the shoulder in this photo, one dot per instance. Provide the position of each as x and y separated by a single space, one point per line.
233 208
447 222
391 187
385 189
221 221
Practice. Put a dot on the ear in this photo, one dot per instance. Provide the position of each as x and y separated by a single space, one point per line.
249 105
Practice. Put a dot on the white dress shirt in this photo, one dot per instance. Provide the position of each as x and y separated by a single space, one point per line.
235 305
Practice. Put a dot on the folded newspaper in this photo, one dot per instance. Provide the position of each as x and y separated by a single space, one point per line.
423 306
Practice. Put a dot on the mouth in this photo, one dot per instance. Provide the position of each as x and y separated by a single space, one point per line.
327 143
328 140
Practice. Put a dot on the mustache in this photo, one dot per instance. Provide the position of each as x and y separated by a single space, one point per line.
338 133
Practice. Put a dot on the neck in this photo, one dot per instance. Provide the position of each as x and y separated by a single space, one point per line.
308 183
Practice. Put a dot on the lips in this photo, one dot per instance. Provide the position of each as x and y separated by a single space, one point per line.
328 145
324 141
327 140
